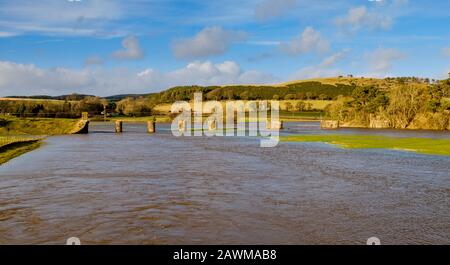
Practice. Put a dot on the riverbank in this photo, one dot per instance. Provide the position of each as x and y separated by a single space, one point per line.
37 126
417 145
21 135
13 146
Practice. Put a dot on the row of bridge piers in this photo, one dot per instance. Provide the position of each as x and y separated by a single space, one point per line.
212 125
83 126
151 126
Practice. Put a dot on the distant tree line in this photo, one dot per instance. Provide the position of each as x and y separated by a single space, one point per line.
70 97
52 108
95 106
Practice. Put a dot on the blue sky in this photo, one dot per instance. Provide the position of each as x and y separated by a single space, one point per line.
107 47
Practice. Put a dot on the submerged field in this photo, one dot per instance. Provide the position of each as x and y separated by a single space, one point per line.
418 145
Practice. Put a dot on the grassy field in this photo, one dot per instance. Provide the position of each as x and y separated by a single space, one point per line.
418 145
14 146
38 126
361 81
300 116
335 80
9 140
36 100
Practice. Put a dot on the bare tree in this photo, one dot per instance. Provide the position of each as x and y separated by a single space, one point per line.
405 103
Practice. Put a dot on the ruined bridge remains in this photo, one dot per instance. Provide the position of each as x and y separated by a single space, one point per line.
82 127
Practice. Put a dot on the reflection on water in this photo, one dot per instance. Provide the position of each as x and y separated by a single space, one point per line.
136 188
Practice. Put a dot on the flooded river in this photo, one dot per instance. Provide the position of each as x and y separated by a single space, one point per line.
136 188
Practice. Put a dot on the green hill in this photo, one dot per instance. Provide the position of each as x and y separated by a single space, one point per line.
301 90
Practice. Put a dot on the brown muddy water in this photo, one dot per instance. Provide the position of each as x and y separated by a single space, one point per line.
136 188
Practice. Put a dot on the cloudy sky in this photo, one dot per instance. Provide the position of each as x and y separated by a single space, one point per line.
107 47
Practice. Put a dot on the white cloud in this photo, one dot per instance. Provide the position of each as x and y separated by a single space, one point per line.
381 15
310 40
273 8
447 73
5 34
315 72
446 51
207 73
27 79
19 78
391 2
331 60
256 77
361 18
62 11
264 43
324 69
50 17
93 60
132 50
208 42
444 74
381 60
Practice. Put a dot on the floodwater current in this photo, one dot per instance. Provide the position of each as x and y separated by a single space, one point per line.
136 188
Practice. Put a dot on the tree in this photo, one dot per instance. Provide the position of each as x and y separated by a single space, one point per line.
230 95
289 97
288 106
322 96
301 106
135 107
92 105
244 95
405 103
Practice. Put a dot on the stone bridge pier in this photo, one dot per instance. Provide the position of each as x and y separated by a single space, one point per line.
118 126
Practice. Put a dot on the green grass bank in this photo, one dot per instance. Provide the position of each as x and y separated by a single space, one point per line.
418 145
37 126
14 146
21 135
